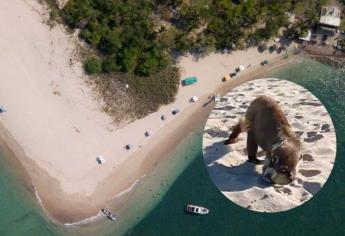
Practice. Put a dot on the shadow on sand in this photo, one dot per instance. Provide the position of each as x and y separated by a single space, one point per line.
231 178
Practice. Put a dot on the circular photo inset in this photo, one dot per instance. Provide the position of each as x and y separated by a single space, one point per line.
269 145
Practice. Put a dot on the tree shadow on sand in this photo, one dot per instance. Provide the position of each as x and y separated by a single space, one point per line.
231 178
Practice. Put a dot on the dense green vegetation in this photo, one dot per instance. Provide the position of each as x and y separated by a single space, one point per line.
142 38
123 32
139 36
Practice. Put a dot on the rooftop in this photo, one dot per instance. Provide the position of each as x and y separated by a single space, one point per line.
330 16
306 37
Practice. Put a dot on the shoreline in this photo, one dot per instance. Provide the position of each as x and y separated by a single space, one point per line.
71 195
247 76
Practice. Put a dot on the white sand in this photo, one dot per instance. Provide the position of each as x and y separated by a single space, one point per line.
55 125
239 180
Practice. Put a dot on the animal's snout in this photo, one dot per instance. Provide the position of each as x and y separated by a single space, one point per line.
268 175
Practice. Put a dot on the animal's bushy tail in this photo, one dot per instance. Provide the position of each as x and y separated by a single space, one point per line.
240 127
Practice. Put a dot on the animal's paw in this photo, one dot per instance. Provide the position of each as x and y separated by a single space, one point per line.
231 141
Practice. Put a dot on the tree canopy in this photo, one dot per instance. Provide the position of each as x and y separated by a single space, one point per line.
139 36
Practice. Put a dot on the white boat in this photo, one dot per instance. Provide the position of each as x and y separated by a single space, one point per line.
196 209
108 214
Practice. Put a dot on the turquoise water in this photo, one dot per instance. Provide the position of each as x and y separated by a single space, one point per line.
324 214
20 214
19 211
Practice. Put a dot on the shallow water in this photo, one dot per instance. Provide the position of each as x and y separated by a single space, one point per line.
20 213
325 213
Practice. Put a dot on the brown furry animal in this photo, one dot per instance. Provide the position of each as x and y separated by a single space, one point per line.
268 128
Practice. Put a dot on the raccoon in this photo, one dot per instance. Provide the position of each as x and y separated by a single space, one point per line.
267 127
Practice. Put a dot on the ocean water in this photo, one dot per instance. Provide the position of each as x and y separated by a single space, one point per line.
324 214
20 213
187 181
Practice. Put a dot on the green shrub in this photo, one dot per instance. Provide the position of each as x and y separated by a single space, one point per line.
109 65
93 66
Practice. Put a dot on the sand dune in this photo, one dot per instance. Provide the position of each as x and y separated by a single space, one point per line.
241 181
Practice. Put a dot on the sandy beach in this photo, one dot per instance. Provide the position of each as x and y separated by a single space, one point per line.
241 181
55 126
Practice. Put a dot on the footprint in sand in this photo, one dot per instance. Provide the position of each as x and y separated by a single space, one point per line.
283 190
286 190
314 104
298 126
299 133
307 157
309 173
231 117
312 187
325 128
226 108
313 138
311 134
217 133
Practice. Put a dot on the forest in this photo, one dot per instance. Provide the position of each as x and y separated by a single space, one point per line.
142 39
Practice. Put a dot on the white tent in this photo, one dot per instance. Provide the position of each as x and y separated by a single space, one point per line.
100 159
241 67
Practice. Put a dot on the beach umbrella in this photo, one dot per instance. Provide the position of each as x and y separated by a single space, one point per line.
147 133
100 159
163 117
241 67
129 146
2 109
175 111
194 99
263 47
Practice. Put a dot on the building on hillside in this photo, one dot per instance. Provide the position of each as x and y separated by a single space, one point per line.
330 19
307 36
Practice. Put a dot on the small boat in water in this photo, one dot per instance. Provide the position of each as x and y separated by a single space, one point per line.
196 209
108 214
